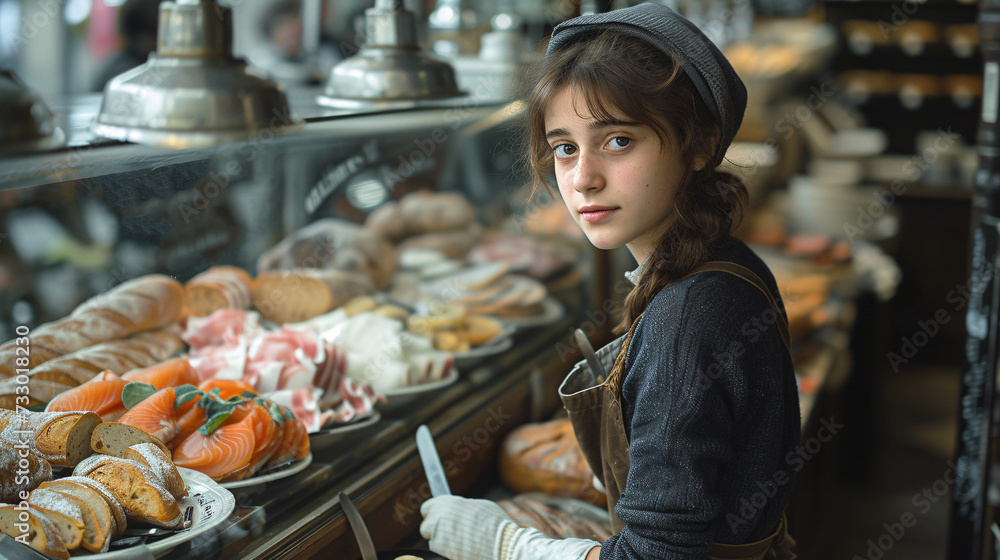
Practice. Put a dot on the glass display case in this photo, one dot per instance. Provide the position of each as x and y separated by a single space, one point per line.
85 219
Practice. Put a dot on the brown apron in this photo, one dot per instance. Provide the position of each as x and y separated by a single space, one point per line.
595 411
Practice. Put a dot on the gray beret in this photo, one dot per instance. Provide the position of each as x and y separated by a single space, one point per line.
717 83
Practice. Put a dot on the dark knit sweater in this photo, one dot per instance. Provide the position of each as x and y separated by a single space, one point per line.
711 409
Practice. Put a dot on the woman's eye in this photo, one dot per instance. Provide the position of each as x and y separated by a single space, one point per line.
564 150
619 143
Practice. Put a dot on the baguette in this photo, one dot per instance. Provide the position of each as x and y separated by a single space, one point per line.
119 356
20 471
105 522
217 288
296 295
159 461
38 531
113 438
37 391
64 512
145 303
135 487
62 438
96 536
117 511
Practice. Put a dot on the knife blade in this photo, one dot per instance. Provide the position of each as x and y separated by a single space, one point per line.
432 463
588 354
358 526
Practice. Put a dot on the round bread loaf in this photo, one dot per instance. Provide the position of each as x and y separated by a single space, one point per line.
545 457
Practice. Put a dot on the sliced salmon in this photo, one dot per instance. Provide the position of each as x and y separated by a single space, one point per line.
102 394
294 442
171 373
268 436
228 388
157 416
228 449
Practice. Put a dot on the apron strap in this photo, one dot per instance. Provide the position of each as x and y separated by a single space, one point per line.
751 277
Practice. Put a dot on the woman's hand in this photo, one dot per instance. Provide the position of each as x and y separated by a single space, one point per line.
464 529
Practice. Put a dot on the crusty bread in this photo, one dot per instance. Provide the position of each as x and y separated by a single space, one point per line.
105 525
135 487
296 295
14 478
41 534
38 391
217 288
114 438
119 356
64 511
145 303
161 464
96 535
545 457
420 212
454 243
62 438
117 511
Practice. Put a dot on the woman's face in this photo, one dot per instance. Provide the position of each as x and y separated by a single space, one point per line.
617 178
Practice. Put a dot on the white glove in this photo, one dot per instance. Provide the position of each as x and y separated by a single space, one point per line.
464 529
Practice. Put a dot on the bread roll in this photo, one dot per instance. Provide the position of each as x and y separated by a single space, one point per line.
21 470
420 212
120 356
217 288
145 303
545 457
62 438
135 487
114 438
454 243
296 295
104 519
39 532
64 512
158 460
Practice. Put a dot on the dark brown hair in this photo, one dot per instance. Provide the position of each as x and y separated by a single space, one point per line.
618 76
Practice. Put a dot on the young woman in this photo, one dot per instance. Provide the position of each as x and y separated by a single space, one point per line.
694 430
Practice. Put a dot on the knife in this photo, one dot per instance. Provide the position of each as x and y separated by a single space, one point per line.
432 463
358 526
588 354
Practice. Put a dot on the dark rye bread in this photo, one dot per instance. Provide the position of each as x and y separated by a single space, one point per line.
41 535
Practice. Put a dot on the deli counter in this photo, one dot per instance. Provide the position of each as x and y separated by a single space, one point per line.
88 219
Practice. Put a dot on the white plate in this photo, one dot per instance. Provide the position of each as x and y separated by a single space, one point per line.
551 312
212 505
295 467
402 396
324 436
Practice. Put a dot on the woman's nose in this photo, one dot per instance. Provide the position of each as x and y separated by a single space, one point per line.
589 173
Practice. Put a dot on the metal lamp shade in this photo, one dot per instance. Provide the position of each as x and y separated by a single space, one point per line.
390 67
193 93
26 124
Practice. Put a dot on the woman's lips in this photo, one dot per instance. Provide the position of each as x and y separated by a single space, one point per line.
595 216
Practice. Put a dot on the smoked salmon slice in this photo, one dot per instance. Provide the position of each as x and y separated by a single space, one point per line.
157 416
294 442
171 373
102 394
228 449
228 388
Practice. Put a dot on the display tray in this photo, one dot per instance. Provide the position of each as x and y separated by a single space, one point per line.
276 473
403 396
496 345
210 504
343 431
551 312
